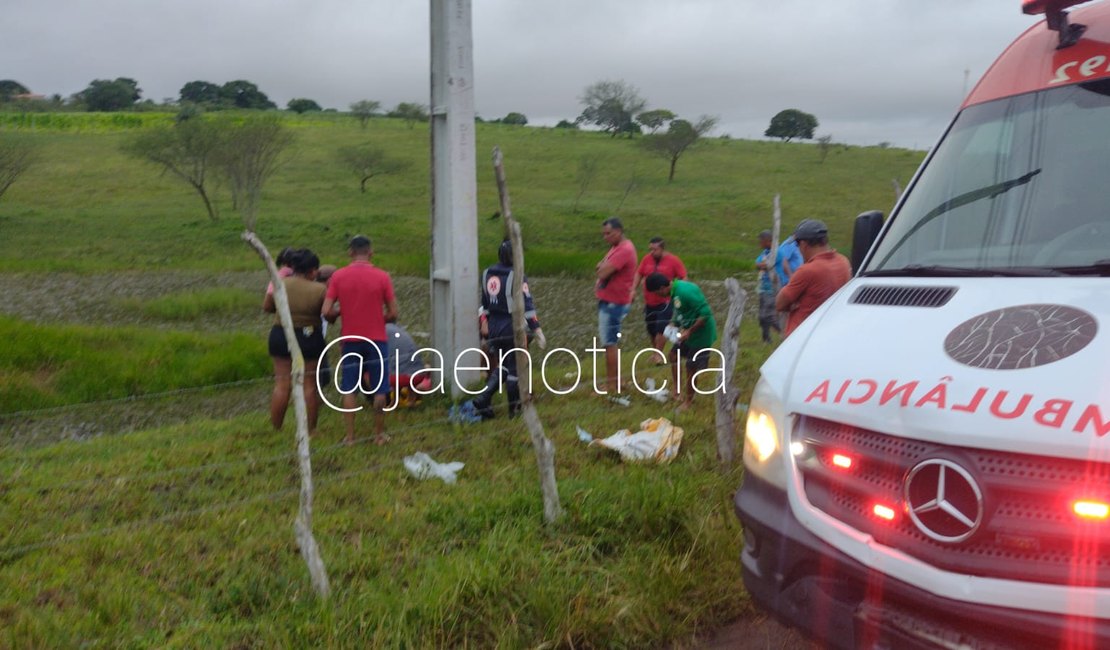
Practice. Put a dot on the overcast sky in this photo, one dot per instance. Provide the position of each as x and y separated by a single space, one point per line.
869 70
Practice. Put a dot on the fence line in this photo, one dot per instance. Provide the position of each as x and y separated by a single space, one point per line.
264 460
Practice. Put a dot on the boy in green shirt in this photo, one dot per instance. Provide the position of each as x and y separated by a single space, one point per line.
698 329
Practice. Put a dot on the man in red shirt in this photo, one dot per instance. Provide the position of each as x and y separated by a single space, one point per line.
614 291
362 290
822 274
657 309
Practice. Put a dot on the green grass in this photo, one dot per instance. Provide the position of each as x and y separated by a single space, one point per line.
44 366
59 215
193 305
643 556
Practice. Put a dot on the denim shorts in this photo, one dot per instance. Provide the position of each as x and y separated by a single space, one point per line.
609 317
364 363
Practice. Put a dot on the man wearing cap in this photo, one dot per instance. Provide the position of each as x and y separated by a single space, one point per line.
614 291
822 274
365 294
657 309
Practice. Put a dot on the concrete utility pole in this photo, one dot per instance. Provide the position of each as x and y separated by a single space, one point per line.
454 190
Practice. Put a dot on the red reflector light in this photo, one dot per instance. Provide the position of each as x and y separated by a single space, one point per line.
883 512
842 461
1091 509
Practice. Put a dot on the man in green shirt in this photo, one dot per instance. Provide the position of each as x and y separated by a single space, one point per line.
697 330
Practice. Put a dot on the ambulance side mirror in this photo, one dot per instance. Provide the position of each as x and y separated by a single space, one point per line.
864 234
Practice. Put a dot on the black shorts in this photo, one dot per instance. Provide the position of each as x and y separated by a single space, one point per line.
311 340
657 318
694 361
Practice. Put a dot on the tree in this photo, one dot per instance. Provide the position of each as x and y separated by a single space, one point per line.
518 119
17 154
655 119
367 162
364 109
824 143
302 105
410 112
566 124
249 154
189 150
680 136
611 106
200 92
244 94
115 95
10 88
791 123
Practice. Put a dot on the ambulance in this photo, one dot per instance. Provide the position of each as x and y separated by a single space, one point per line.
927 457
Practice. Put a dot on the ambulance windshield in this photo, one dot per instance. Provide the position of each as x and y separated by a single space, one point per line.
1018 186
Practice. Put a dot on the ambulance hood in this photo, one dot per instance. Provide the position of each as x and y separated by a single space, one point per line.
1014 364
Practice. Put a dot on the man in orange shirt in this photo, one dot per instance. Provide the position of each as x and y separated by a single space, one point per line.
823 273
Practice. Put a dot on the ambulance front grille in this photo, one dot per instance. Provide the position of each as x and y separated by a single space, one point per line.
1028 531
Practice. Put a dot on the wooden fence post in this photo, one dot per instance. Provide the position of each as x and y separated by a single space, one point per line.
545 449
310 551
726 398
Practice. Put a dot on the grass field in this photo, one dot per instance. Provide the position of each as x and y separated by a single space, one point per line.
142 509
89 207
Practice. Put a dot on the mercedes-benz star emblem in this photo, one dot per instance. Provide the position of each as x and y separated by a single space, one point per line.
943 500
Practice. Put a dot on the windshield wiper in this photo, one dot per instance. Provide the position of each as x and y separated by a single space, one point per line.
988 192
1100 267
937 271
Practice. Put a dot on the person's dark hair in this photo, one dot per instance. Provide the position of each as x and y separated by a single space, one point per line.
505 252
658 240
765 234
282 258
360 244
305 261
614 223
656 281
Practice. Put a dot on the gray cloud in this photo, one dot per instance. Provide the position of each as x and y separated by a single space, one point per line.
882 70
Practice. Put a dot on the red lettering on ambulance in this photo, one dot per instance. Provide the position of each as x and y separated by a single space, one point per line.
872 386
996 405
973 405
892 390
1054 412
821 392
1092 415
938 396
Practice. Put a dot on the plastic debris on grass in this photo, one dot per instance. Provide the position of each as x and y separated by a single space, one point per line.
657 441
464 413
421 466
662 395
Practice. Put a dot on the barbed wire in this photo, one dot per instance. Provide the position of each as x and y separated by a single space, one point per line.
498 409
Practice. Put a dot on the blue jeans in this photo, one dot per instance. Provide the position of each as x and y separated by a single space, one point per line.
609 318
364 363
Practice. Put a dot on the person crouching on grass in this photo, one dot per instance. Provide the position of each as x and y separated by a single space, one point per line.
306 297
698 330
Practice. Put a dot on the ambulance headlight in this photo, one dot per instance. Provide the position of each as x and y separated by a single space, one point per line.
763 436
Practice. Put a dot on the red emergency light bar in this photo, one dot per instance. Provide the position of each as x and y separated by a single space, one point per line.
1056 18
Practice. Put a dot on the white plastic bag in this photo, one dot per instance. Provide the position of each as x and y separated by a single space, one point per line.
423 467
657 441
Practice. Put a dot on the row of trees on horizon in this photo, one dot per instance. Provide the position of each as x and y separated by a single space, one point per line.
614 107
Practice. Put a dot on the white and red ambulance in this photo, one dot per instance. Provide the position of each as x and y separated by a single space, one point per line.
927 457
